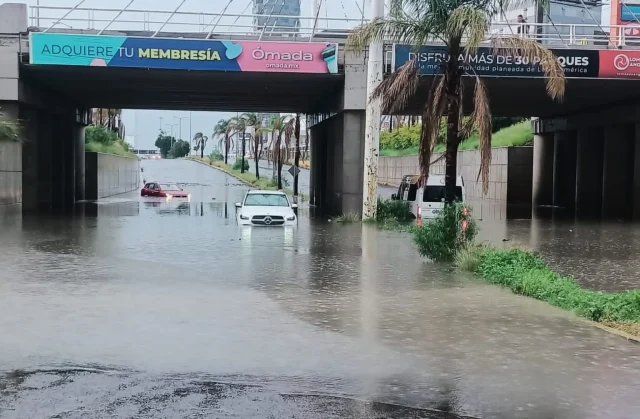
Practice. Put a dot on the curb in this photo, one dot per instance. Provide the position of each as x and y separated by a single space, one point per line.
614 331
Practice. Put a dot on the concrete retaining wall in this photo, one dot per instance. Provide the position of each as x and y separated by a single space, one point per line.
10 176
108 175
510 176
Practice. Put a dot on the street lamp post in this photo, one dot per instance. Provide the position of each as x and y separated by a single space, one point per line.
180 118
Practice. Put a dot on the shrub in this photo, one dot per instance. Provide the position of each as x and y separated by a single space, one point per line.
216 156
100 134
389 209
439 239
237 164
9 129
467 258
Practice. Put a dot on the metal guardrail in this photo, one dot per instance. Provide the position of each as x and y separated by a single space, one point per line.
295 28
55 18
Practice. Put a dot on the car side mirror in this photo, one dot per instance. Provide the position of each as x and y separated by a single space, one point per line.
238 205
294 206
394 197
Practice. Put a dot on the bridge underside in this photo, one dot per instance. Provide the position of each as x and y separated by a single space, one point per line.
133 88
512 96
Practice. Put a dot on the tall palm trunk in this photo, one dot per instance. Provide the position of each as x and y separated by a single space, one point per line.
297 155
226 148
242 157
278 159
257 140
453 86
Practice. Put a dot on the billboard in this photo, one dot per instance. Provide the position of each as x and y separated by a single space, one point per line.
620 64
183 54
576 63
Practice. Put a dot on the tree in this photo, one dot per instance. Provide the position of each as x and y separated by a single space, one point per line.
297 155
179 149
164 143
239 126
222 130
201 142
417 22
278 127
100 134
252 120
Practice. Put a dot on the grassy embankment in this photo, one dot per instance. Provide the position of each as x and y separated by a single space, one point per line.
115 148
247 177
515 135
526 274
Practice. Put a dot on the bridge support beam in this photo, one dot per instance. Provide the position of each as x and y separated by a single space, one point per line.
338 163
617 171
589 172
543 152
564 173
79 161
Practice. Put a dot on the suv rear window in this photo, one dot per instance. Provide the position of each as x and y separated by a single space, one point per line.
437 194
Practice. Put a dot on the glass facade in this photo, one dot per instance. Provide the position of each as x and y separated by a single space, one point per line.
272 9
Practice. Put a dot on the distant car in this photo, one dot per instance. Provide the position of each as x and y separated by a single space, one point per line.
164 190
267 209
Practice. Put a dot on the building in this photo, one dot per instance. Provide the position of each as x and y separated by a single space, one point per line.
561 13
272 9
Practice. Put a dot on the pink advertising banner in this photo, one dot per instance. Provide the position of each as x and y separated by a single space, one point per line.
183 54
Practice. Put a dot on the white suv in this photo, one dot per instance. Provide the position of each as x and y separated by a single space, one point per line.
267 209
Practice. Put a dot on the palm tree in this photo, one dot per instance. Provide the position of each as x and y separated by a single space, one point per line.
239 125
462 25
252 120
222 130
279 125
201 142
297 155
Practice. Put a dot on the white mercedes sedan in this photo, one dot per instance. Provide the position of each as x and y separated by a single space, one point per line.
266 209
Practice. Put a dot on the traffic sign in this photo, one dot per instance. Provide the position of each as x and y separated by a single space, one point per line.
293 170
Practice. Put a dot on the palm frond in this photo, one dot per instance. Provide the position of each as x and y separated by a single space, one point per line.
397 89
431 124
471 22
534 52
401 29
481 118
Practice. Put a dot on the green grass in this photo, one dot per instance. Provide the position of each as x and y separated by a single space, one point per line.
525 273
349 218
115 148
247 177
516 135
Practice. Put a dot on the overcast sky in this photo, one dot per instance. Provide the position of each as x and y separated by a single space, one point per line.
142 126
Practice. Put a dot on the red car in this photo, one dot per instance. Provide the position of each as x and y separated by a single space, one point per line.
164 190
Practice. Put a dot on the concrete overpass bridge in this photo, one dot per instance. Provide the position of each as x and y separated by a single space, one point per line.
50 85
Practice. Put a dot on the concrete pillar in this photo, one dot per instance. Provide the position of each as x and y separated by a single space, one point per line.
636 172
543 152
589 172
564 173
78 143
45 161
30 187
617 171
312 167
352 161
61 134
69 167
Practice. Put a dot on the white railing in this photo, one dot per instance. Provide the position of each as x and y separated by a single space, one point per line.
191 24
216 25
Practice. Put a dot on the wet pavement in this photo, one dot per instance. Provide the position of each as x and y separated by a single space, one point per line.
151 309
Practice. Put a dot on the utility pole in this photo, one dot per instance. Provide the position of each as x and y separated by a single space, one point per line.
372 120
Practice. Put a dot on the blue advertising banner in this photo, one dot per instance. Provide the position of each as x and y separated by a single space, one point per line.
182 54
430 59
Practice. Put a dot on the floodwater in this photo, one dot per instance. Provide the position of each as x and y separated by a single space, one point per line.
150 309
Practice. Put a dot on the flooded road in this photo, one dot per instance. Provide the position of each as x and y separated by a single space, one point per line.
152 309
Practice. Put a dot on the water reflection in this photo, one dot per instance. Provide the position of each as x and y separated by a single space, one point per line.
179 288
